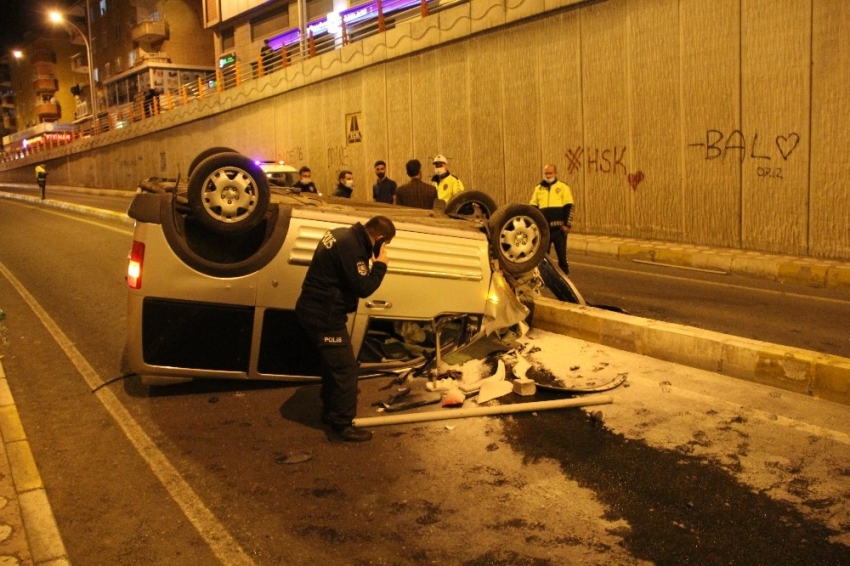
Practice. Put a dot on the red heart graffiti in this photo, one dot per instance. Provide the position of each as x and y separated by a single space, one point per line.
635 179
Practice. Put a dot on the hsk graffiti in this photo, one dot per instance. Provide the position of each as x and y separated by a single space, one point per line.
718 145
608 160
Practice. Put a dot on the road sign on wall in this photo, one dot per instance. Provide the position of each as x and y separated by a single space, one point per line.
353 123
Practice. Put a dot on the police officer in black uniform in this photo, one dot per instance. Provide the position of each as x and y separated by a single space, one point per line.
339 275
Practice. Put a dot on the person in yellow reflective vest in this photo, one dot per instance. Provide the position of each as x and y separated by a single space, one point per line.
555 200
447 184
41 177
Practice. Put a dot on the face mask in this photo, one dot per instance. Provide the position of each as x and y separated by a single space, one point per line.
440 170
305 180
349 183
381 175
550 180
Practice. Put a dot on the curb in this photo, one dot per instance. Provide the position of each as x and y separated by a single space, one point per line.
82 209
96 192
38 525
813 272
811 373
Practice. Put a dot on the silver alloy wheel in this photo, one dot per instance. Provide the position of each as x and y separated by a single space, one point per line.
519 239
230 194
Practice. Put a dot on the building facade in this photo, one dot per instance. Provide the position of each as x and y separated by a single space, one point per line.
144 44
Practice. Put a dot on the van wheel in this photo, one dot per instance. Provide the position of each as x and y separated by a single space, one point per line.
228 193
519 237
471 204
207 153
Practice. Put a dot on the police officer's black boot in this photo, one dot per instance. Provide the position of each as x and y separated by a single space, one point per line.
348 433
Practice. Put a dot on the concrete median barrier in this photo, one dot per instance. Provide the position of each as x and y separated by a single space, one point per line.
793 369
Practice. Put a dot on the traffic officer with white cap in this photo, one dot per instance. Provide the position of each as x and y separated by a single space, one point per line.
447 184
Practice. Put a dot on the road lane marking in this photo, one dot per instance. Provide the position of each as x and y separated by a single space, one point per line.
125 231
209 528
714 283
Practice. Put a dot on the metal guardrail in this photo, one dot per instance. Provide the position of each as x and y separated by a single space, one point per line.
353 25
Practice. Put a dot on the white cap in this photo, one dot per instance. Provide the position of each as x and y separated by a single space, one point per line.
440 159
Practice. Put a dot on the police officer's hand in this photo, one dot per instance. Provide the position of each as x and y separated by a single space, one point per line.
382 255
565 229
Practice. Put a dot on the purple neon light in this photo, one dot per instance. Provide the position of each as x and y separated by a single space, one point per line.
351 16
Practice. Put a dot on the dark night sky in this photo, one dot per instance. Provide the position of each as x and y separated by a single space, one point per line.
20 16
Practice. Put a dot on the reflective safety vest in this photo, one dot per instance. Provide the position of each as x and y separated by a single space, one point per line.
555 202
447 187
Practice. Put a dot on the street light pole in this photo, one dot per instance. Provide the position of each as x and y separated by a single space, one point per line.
59 18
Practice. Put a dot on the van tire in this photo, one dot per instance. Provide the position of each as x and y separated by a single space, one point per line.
519 237
204 154
471 204
228 193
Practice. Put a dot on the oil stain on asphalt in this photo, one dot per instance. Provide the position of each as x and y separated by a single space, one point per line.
682 509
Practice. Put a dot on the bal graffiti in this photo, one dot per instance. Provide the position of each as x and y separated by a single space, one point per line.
718 145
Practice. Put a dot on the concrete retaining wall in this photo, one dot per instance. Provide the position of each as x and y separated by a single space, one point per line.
716 123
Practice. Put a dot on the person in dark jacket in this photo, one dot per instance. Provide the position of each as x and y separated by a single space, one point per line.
384 189
555 200
346 185
417 193
305 181
339 275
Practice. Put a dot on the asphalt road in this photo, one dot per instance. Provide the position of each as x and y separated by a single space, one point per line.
684 467
792 315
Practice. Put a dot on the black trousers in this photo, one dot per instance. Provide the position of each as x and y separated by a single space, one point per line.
558 239
339 369
42 183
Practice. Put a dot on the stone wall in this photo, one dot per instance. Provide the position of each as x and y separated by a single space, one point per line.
720 123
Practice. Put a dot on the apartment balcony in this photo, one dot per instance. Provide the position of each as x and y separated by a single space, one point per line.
43 85
150 57
79 63
47 111
150 31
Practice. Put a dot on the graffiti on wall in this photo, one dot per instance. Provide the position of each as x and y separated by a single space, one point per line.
607 160
718 145
292 155
337 157
597 160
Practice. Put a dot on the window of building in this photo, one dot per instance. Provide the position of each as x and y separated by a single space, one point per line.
228 41
132 57
107 68
102 7
104 36
318 8
117 32
96 75
119 66
270 22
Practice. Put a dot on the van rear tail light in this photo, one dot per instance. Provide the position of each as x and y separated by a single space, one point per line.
134 268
